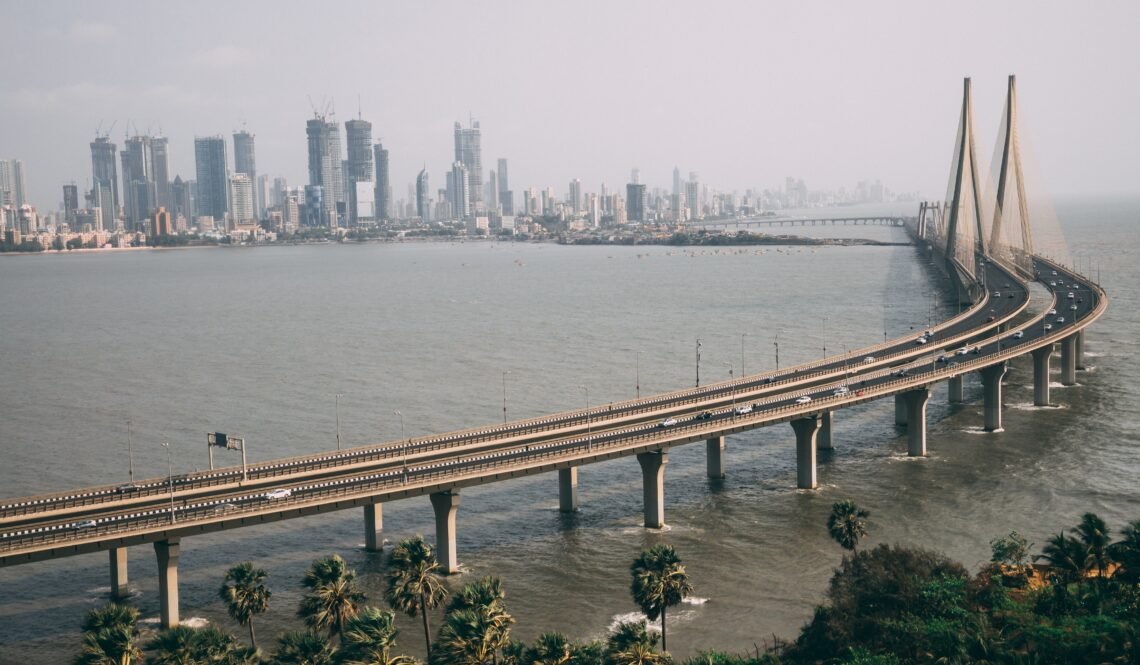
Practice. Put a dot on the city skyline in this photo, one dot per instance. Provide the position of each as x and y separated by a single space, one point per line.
736 131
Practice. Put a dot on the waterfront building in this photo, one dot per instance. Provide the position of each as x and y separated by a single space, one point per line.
325 166
635 201
423 196
140 191
383 195
212 168
70 203
358 172
160 154
469 153
460 191
245 161
241 198
693 197
576 196
160 223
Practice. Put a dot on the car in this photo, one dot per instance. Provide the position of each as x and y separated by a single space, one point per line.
1018 335
1007 286
841 390
84 524
962 351
224 507
858 393
990 318
1053 283
1079 300
1051 312
920 340
900 372
1073 307
997 294
741 410
704 415
128 487
942 359
803 399
1048 326
869 359
1070 296
977 350
668 422
952 364
283 493
1011 295
928 334
1054 273
767 380
1060 319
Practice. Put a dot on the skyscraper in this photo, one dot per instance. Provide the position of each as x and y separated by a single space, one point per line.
19 184
576 195
693 197
241 198
70 202
635 201
212 168
460 182
140 192
423 196
325 163
383 184
7 189
105 179
180 198
161 157
360 169
469 152
245 161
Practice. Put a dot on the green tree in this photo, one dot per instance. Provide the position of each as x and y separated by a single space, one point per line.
486 597
303 648
630 643
1126 552
245 595
1066 555
467 637
1093 534
549 649
659 582
333 598
847 524
369 639
175 646
413 584
110 636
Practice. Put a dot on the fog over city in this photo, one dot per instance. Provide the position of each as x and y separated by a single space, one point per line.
744 93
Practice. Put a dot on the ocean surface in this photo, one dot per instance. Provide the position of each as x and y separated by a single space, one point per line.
258 341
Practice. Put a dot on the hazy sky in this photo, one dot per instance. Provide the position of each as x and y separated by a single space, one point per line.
742 92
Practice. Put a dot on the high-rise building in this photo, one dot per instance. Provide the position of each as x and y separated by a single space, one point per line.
325 168
676 181
105 179
241 198
423 196
693 197
261 195
635 201
181 200
493 192
213 177
245 161
161 157
70 202
161 223
140 190
19 184
460 183
383 183
576 195
469 152
359 169
7 189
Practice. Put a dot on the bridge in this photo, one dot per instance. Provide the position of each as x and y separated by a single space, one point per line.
770 221
991 265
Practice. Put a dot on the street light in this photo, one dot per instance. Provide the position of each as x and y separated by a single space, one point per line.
589 425
338 396
825 335
505 395
637 372
130 455
170 479
733 386
403 445
698 362
776 343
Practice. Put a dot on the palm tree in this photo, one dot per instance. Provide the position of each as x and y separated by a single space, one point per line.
245 595
175 646
413 581
549 649
333 596
369 639
1093 534
846 524
110 636
487 597
1126 552
629 642
1066 555
659 582
467 637
303 648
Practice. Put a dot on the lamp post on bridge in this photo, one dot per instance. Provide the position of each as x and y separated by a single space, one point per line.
404 445
130 456
505 373
825 335
776 343
170 478
637 372
731 380
338 396
698 362
589 422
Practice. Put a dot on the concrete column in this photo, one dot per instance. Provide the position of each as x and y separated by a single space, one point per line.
445 504
167 552
991 395
653 486
954 388
916 421
1069 361
1041 375
823 438
373 526
568 490
805 429
119 589
714 450
1081 349
900 410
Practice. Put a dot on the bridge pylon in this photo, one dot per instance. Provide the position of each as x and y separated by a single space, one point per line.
963 233
1010 244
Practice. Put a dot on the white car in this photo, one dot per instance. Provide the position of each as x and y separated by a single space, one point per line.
1060 319
803 400
1052 312
1018 335
869 359
1073 307
841 390
1053 283
1048 326
741 410
997 294
1070 296
962 351
283 493
85 524
920 340
668 422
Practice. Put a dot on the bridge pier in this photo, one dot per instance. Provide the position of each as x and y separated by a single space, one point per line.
118 556
806 429
167 552
915 401
900 409
653 486
954 388
1041 375
715 458
373 526
1069 361
991 395
823 437
445 504
1080 349
568 490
